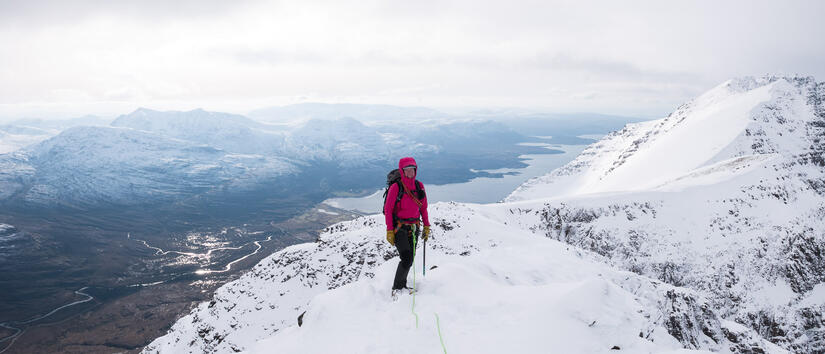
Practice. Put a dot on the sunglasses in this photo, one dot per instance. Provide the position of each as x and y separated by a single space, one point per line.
410 168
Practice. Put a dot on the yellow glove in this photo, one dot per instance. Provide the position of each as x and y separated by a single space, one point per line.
391 237
426 232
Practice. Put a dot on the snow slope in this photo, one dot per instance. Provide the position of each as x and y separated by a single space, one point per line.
516 294
702 231
498 287
739 118
738 216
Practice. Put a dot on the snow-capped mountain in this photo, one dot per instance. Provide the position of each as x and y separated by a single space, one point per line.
724 196
123 165
739 124
147 154
225 131
151 156
341 140
703 230
345 140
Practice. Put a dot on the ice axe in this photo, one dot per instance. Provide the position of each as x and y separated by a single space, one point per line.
424 261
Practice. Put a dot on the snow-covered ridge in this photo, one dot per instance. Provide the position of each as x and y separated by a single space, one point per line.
483 260
721 249
740 117
744 226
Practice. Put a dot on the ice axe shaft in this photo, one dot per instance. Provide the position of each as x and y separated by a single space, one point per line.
424 261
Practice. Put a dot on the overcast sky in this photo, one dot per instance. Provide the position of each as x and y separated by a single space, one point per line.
639 58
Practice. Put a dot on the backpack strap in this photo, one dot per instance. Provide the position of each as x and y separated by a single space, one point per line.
419 190
407 192
402 189
400 192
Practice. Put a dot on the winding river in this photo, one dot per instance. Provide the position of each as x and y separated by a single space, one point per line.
16 325
19 331
206 255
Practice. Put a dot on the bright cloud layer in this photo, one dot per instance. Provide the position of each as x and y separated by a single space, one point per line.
633 58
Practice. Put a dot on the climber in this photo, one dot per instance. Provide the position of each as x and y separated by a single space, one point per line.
405 202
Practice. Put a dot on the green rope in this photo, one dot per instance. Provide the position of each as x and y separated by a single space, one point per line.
415 242
440 337
415 290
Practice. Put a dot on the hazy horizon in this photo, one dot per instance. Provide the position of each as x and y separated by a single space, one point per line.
453 112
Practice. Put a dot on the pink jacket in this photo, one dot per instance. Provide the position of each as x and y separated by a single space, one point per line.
407 207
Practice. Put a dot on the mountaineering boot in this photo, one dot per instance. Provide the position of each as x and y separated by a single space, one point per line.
410 290
395 293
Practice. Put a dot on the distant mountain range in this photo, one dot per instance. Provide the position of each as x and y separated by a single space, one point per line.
154 156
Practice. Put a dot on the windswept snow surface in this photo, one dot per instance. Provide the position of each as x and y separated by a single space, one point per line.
517 294
737 215
497 288
701 231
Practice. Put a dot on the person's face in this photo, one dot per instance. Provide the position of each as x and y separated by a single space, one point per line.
409 172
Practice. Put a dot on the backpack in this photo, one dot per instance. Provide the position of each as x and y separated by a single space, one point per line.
394 177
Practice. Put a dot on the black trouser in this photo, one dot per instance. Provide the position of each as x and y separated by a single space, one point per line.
404 244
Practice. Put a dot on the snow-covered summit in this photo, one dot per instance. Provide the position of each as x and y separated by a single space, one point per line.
731 189
227 131
344 140
704 230
740 124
